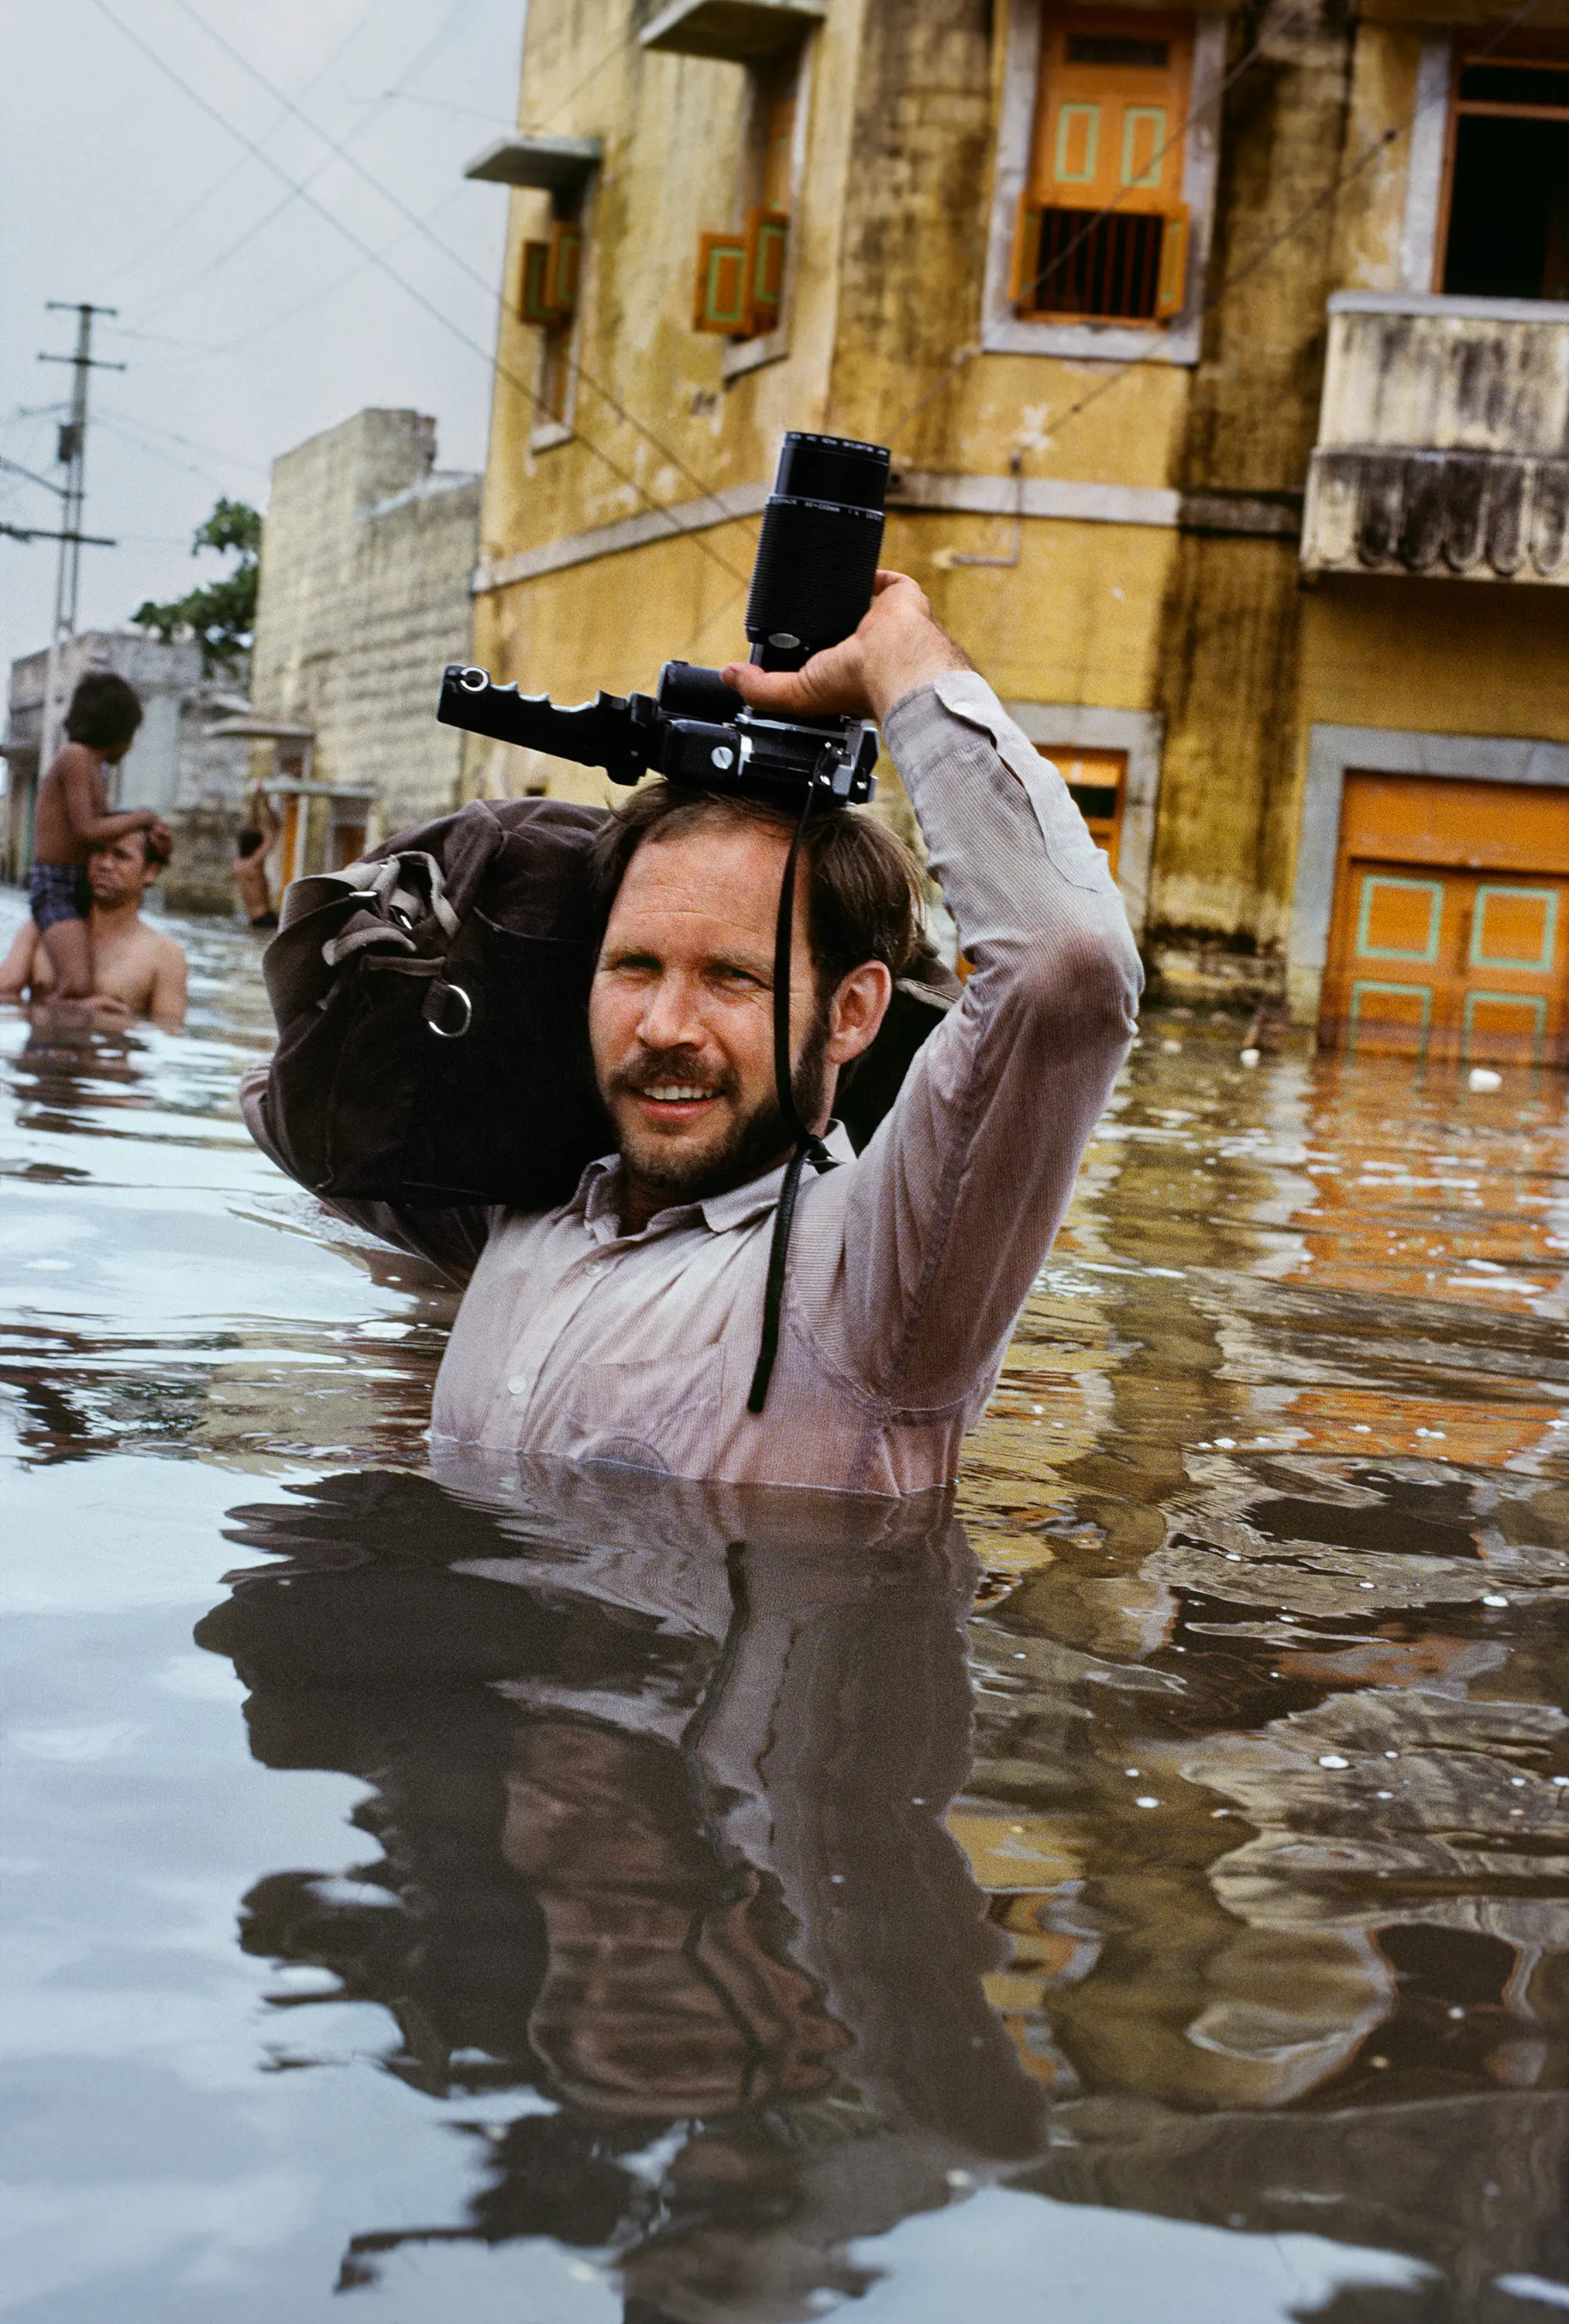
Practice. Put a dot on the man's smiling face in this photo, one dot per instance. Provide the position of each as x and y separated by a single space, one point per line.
682 1013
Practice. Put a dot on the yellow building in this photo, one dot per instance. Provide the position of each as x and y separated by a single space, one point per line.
1224 362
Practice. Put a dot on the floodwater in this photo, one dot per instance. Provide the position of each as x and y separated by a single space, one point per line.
1143 1893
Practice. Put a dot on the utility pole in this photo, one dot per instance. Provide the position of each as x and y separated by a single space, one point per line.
70 453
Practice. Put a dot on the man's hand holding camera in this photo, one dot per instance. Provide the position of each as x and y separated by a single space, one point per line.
897 648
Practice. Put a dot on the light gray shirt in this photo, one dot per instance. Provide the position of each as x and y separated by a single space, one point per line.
908 1264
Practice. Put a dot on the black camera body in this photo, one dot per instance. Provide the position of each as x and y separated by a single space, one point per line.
817 556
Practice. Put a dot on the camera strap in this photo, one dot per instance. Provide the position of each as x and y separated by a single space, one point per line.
808 1146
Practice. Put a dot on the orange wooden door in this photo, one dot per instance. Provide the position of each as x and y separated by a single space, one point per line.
1450 932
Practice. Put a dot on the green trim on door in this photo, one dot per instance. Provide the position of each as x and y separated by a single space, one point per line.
1405 992
1434 892
1535 1001
1064 176
1544 961
1132 116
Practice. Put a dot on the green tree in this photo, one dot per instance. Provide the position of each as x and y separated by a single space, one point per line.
220 613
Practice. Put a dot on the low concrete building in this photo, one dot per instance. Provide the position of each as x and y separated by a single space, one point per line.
366 558
197 779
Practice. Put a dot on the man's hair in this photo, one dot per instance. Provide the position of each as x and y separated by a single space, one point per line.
104 710
248 841
862 884
152 855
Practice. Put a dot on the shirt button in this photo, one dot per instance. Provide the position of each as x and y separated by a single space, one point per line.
595 1267
519 1387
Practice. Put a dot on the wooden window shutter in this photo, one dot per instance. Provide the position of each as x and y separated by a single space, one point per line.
721 302
550 276
1022 290
531 306
767 238
561 270
1103 233
1173 284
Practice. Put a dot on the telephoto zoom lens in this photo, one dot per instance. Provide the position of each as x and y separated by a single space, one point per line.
822 536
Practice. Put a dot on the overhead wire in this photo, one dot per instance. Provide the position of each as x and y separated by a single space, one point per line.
623 475
455 257
226 177
186 443
221 347
159 302
15 468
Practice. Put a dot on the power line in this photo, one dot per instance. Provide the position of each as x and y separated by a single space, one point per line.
296 306
226 177
161 300
486 285
15 468
622 475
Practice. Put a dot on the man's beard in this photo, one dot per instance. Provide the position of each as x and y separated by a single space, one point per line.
755 1140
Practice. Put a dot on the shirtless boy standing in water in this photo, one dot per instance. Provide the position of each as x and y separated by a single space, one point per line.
250 852
72 818
137 970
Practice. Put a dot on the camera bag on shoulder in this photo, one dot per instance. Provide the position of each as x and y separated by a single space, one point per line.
432 1011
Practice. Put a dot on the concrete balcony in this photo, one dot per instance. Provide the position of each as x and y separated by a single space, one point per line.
1443 440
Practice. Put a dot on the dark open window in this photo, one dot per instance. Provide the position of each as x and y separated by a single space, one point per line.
1508 190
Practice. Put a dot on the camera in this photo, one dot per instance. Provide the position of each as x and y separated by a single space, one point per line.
812 582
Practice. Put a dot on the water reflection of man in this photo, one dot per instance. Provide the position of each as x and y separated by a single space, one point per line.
660 1843
626 1324
137 970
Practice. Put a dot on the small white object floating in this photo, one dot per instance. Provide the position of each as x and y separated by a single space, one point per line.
1482 1077
1250 1058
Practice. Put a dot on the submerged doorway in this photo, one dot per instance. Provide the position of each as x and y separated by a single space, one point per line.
1449 935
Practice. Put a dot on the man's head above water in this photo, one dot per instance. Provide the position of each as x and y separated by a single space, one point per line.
123 869
681 1014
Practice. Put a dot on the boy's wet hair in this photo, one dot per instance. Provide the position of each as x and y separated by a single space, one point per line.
104 712
248 841
152 853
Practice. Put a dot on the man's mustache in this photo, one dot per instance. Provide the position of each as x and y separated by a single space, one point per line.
653 1067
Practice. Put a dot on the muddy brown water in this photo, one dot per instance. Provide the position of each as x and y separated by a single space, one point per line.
1140 1888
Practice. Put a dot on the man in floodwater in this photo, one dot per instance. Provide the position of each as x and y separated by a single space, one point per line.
138 970
624 1325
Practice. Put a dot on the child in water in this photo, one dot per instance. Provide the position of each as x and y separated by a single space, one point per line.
72 818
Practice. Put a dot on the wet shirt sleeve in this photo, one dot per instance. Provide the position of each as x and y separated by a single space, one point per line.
452 1240
955 1203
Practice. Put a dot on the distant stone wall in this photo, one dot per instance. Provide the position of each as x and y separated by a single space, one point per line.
366 558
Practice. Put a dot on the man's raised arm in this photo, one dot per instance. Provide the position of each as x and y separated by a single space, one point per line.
954 1204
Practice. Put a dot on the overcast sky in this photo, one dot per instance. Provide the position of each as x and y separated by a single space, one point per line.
248 320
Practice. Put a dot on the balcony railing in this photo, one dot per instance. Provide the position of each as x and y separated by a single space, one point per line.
1443 440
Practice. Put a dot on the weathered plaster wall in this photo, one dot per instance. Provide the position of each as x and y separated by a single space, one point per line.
1435 657
366 556
1228 643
